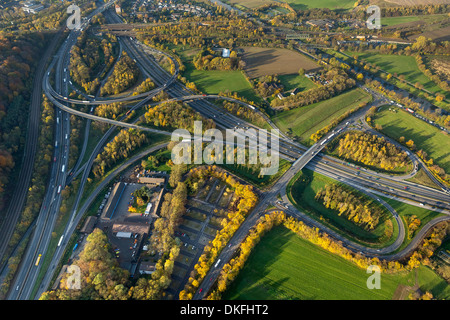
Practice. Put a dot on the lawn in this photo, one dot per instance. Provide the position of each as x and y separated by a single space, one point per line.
304 121
401 65
425 136
285 266
292 81
303 188
404 210
422 178
216 81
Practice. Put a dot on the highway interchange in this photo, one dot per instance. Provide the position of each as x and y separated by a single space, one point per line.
369 182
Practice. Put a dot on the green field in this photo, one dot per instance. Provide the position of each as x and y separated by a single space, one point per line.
330 4
425 136
427 19
301 191
292 81
216 81
401 65
422 178
404 210
285 266
304 121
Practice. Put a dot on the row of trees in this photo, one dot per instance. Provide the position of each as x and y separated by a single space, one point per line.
337 82
355 207
434 77
172 210
418 49
231 269
246 199
370 150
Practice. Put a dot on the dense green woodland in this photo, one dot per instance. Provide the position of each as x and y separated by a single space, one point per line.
124 75
91 57
19 54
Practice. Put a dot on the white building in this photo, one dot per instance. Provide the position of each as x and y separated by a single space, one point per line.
226 53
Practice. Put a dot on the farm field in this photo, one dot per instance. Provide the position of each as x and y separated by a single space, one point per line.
285 266
401 65
440 34
304 121
270 61
425 136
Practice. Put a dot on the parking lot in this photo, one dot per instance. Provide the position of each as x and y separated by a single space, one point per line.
202 220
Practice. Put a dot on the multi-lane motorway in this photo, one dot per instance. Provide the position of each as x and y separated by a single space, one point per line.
368 181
